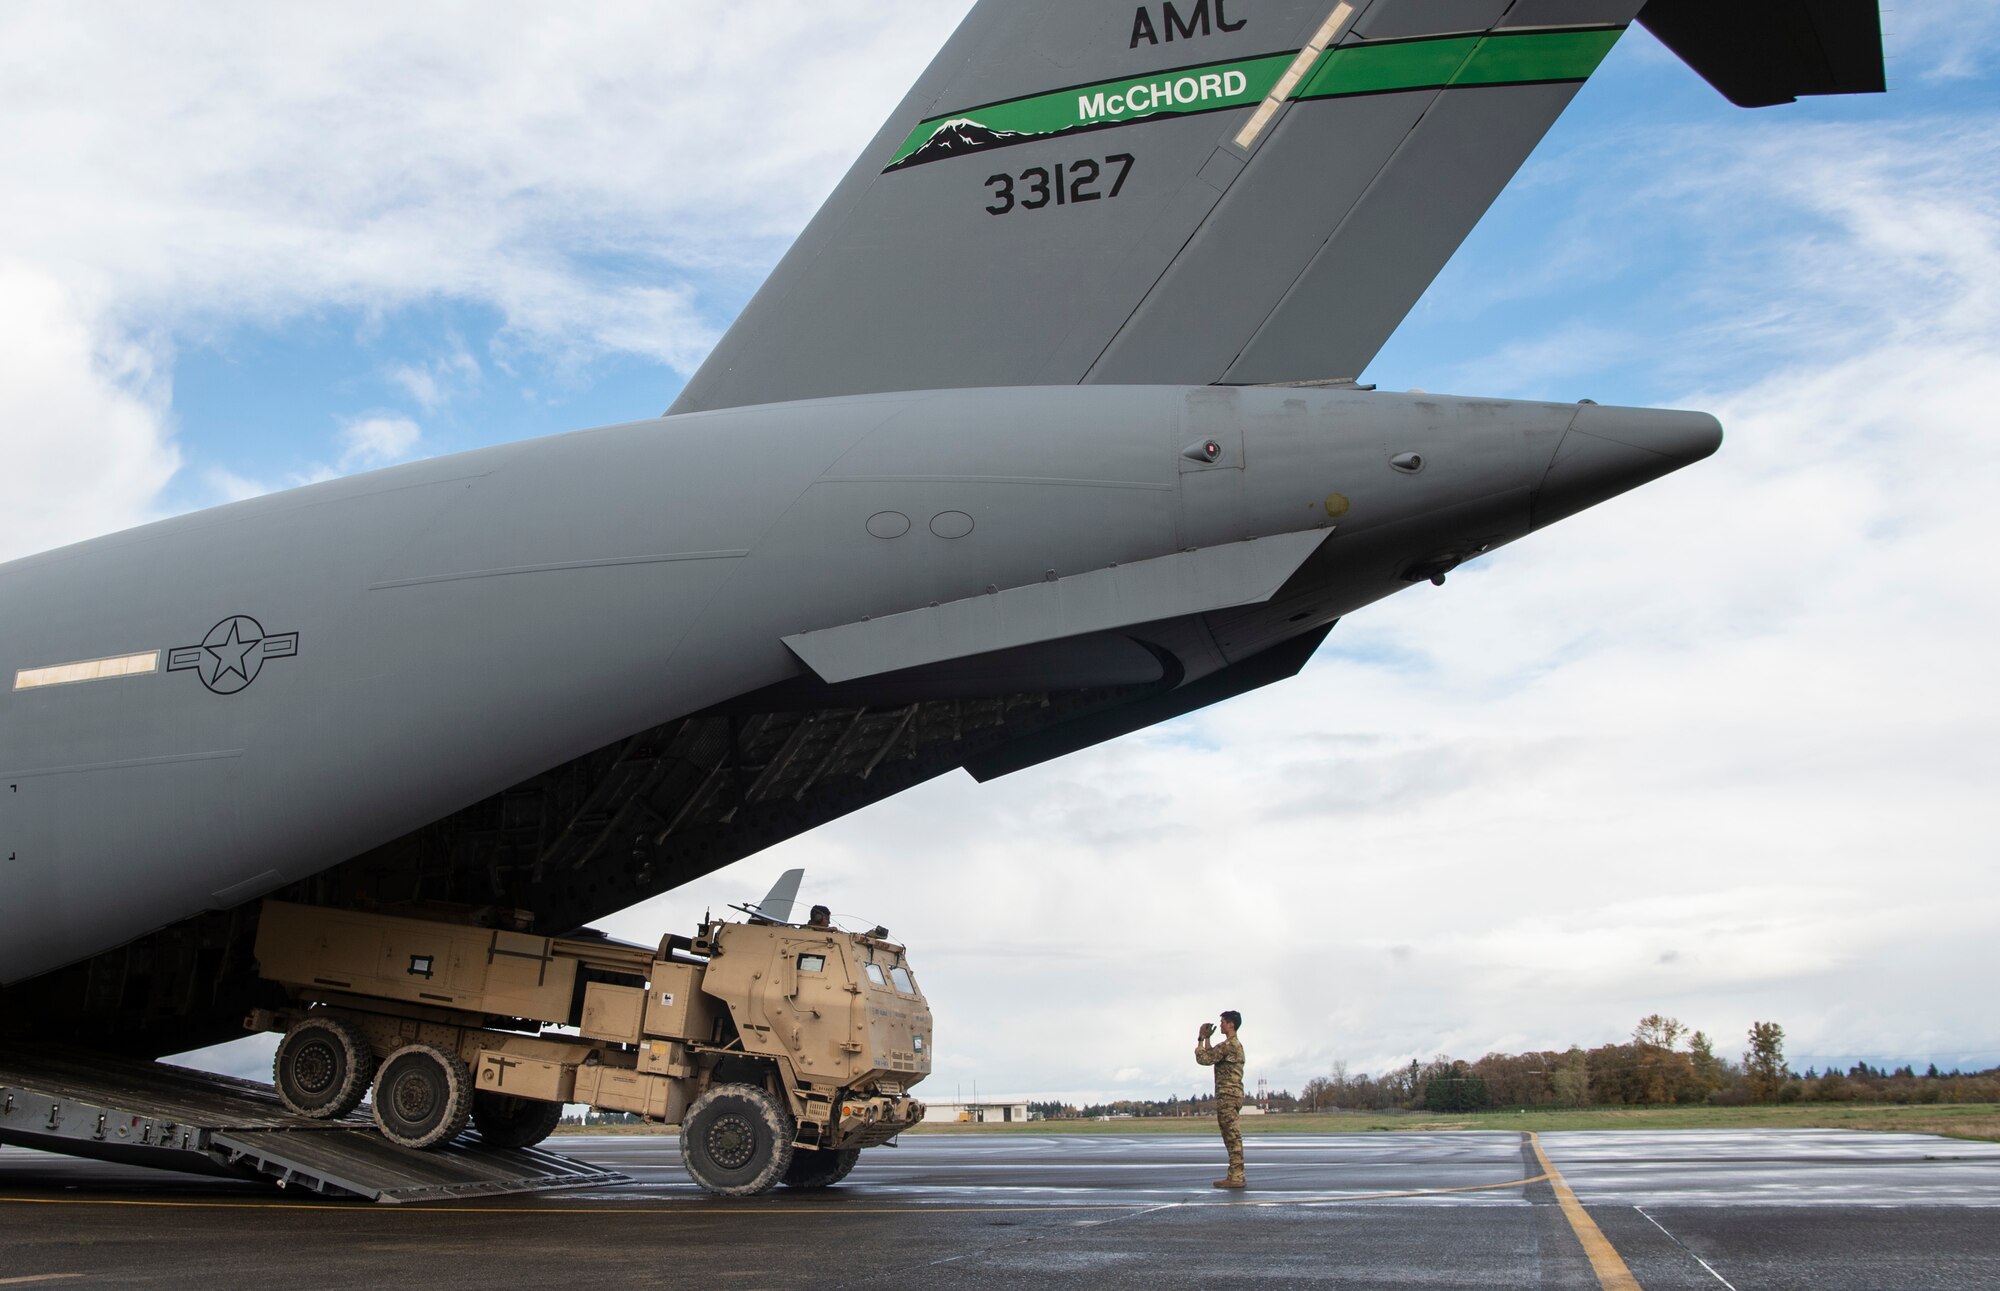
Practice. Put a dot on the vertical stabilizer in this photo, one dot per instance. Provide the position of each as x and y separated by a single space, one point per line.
1180 191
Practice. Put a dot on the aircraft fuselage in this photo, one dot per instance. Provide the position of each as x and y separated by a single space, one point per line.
339 664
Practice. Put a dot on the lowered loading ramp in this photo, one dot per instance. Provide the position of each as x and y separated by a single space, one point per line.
172 1118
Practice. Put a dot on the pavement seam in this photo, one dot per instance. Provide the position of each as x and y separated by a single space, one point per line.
1605 1262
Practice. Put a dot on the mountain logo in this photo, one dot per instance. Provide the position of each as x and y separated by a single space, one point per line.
958 136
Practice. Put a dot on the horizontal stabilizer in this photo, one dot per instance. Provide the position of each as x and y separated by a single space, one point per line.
1188 582
1774 51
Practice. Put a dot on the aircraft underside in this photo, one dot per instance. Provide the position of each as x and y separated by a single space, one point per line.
604 831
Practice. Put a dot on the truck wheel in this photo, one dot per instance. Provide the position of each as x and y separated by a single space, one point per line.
811 1168
736 1141
504 1121
322 1067
423 1096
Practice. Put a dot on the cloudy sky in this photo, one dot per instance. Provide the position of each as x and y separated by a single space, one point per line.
1723 748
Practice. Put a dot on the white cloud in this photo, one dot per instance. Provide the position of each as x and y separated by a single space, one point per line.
367 442
1939 41
570 172
229 486
84 430
579 176
421 383
436 382
364 443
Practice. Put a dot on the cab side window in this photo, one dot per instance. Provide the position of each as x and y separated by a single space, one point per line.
812 963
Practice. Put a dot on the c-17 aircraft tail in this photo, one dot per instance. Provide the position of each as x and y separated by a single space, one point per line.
1200 192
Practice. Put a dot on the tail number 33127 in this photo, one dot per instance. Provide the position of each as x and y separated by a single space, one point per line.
1060 185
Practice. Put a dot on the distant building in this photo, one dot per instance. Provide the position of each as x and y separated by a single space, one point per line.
987 1113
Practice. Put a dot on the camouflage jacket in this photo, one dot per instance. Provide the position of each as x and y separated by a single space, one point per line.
1227 1059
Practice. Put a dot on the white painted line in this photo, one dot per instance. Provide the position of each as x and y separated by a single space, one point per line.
1684 1246
1118 1219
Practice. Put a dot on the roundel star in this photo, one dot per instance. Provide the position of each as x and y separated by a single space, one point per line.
232 654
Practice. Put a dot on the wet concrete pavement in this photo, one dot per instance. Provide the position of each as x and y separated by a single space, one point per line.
1674 1209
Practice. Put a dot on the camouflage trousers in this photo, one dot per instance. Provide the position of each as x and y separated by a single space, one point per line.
1228 1114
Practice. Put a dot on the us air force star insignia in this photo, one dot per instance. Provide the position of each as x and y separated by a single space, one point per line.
229 657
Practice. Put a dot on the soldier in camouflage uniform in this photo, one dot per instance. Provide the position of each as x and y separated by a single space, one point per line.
1227 1059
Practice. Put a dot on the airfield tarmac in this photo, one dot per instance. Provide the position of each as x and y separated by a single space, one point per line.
1658 1209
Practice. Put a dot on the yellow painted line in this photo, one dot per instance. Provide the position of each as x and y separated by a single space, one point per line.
1605 1262
758 1209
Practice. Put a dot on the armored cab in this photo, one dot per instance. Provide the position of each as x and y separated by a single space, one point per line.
781 1050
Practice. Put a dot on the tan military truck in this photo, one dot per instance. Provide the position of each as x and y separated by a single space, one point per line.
780 1050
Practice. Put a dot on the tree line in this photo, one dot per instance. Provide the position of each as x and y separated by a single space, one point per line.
1664 1063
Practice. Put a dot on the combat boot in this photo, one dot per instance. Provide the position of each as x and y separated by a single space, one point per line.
1234 1182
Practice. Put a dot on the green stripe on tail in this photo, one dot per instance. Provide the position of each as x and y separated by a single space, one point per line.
1513 58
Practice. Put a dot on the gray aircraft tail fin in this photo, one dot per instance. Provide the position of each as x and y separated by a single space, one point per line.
1180 191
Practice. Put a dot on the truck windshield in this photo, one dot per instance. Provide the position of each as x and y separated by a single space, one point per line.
901 976
874 972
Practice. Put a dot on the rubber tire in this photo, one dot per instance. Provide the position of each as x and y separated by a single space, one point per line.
812 1169
736 1140
504 1121
322 1067
423 1096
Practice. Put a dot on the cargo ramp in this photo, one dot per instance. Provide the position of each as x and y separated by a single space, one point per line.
173 1118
